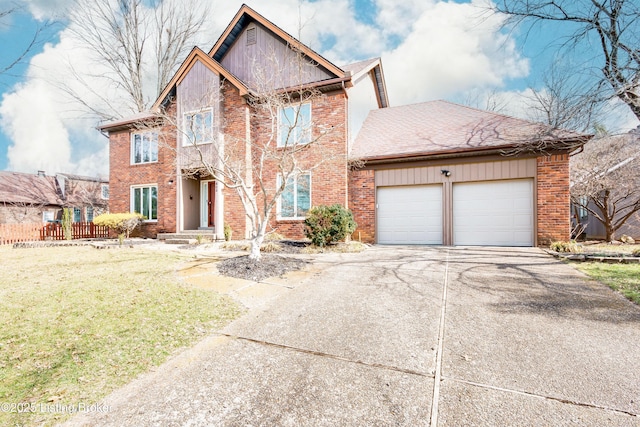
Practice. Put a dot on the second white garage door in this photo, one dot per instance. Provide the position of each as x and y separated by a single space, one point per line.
410 215
496 213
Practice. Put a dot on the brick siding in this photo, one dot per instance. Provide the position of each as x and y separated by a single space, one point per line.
123 175
362 196
553 198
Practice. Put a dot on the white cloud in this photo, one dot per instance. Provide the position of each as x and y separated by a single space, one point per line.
430 50
41 141
450 51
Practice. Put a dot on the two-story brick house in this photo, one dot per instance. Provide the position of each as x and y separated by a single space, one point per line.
428 173
155 169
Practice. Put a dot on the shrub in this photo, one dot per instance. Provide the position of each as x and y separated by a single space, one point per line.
328 224
228 232
570 246
123 223
67 221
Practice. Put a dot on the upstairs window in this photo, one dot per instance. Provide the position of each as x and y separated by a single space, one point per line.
295 125
144 147
198 127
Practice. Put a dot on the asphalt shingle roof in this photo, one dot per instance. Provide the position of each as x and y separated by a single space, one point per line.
439 127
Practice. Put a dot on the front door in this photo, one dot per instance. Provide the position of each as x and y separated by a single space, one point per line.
211 198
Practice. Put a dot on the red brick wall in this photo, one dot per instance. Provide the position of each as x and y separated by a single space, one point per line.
122 175
328 181
553 198
362 192
234 126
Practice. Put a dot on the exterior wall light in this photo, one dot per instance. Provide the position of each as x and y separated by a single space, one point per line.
445 172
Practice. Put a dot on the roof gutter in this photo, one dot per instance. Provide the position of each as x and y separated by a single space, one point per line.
451 154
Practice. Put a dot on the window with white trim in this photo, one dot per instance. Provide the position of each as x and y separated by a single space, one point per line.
144 200
144 147
198 127
295 200
48 216
104 191
77 215
294 125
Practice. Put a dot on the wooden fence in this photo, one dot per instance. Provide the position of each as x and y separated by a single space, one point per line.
13 233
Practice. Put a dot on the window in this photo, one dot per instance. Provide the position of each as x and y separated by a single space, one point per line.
89 213
47 216
144 147
198 127
144 200
295 200
77 215
582 210
104 191
295 125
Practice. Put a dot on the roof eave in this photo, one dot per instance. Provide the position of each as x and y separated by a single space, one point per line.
504 150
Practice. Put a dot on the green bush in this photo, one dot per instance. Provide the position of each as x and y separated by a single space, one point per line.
328 224
123 223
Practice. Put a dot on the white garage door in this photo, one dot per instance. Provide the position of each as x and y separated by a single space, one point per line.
496 213
410 215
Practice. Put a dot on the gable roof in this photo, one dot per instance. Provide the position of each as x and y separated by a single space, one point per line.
195 55
29 189
373 66
244 17
441 128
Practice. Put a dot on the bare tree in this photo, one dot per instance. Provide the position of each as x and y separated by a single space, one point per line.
612 25
605 180
126 36
33 42
564 101
285 147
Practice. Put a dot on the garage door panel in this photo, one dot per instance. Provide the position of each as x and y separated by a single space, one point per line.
493 213
410 215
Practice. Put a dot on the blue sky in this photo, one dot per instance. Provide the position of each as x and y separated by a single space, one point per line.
430 50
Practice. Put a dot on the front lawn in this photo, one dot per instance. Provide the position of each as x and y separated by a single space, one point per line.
78 322
624 278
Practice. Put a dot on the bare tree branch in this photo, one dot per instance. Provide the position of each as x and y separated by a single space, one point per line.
612 24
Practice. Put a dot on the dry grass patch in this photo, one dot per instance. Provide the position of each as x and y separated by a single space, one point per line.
79 322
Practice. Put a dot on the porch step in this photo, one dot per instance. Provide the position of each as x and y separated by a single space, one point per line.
188 234
180 241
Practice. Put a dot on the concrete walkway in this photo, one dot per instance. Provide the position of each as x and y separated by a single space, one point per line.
404 336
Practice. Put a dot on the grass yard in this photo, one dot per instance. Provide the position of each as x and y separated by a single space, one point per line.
78 322
624 278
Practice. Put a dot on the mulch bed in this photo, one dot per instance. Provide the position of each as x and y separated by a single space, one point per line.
270 265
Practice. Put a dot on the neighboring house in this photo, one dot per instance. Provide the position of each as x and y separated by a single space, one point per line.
29 198
432 173
625 158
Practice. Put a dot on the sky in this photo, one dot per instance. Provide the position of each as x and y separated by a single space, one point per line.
430 49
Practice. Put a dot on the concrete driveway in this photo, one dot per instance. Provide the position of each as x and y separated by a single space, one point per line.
411 336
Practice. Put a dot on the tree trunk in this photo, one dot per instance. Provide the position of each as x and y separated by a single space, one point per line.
255 254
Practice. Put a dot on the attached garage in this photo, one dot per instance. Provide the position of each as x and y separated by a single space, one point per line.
498 213
441 173
410 215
